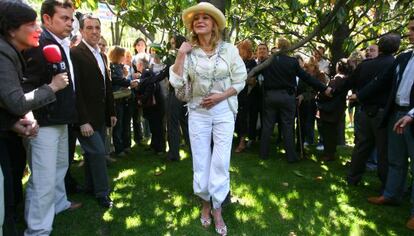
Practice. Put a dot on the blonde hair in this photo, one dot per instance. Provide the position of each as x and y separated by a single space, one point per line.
215 35
115 54
247 46
312 67
283 44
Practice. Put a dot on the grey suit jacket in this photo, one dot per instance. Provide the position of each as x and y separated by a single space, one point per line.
14 103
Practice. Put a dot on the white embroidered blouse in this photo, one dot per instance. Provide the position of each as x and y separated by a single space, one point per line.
230 71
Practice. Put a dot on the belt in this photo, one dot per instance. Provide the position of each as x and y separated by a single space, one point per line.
290 91
402 108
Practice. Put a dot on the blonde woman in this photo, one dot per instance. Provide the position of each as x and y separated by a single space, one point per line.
217 74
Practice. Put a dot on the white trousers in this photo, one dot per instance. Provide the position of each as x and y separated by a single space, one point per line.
211 180
45 193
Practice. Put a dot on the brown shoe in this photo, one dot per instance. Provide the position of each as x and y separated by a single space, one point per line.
410 223
328 158
74 206
381 200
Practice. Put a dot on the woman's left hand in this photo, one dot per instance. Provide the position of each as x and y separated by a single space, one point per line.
211 100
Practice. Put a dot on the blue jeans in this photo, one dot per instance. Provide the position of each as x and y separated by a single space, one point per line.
400 147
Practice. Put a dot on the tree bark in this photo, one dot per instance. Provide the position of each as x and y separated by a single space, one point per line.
339 36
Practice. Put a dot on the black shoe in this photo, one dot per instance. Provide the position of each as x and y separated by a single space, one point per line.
264 157
75 189
105 201
293 161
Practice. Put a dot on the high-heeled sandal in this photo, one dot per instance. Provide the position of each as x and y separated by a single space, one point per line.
222 230
205 221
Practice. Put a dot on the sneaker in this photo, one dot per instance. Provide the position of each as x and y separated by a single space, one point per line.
320 147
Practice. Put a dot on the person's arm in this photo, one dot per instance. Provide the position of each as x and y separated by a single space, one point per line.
403 122
12 96
109 99
259 68
178 67
179 71
117 76
382 81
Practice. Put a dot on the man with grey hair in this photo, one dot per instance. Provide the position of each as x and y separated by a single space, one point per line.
371 51
369 136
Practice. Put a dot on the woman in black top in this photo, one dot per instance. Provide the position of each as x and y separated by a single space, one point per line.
119 83
332 110
242 120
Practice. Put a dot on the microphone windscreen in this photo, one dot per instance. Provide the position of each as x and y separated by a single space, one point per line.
52 53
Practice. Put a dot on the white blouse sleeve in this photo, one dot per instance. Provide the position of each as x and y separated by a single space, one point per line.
238 73
178 81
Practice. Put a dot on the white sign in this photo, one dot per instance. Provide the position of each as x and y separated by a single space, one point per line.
104 13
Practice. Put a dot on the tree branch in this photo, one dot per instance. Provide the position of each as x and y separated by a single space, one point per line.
338 5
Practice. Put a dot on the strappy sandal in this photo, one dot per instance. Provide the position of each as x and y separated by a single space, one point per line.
222 230
205 222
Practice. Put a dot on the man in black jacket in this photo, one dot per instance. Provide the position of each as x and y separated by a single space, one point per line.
398 116
279 98
95 106
370 136
48 152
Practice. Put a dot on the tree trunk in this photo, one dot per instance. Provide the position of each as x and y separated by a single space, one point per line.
337 49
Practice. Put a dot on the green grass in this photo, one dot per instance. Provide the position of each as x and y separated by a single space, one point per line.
269 197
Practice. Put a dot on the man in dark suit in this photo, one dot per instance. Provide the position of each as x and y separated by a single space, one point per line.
371 113
398 116
279 98
95 105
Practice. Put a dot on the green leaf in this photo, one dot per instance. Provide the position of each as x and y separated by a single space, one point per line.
93 4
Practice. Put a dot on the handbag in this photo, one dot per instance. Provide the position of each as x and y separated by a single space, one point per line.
185 93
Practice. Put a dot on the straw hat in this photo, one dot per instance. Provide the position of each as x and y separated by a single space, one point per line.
207 8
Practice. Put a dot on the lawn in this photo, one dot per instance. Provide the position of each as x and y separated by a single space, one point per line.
271 197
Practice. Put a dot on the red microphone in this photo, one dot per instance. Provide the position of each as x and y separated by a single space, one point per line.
54 56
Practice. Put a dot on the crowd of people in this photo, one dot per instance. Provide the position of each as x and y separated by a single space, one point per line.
203 92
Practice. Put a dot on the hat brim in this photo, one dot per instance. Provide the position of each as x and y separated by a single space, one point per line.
207 8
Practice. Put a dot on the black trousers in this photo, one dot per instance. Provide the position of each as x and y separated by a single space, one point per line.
330 131
370 136
282 103
13 163
255 102
155 117
176 118
70 182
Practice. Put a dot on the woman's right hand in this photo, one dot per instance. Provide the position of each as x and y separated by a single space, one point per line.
185 48
59 81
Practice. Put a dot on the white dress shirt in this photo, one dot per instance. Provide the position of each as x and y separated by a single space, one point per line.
65 43
404 89
97 54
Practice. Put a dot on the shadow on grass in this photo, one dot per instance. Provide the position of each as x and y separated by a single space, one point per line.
272 197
